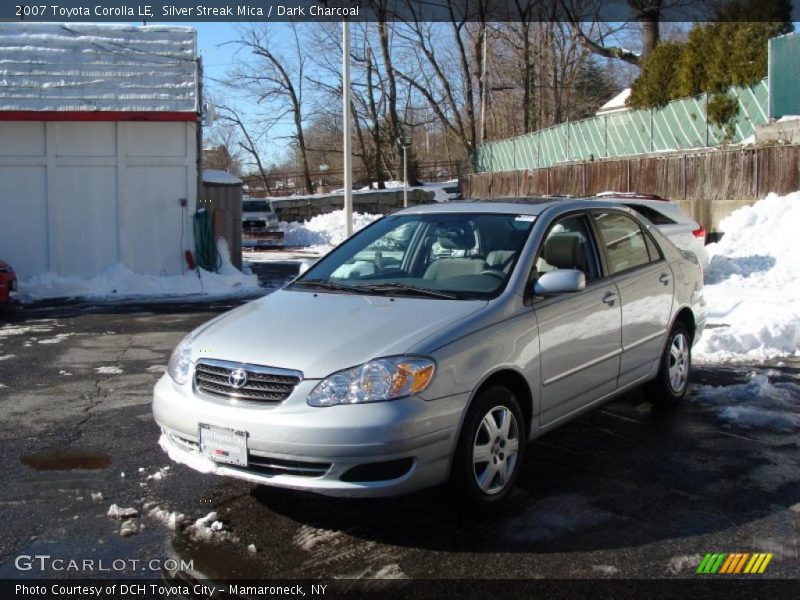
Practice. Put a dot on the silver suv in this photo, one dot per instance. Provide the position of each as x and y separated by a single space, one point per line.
387 367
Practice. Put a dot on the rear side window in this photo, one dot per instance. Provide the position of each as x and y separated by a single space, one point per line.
625 242
651 214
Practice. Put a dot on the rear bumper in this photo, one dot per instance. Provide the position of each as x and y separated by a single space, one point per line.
416 433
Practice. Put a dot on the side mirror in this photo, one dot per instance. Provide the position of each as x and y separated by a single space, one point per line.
561 281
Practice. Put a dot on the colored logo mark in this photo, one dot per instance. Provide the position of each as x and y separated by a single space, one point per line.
734 562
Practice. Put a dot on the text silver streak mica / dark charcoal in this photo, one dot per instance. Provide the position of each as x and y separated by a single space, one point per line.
431 346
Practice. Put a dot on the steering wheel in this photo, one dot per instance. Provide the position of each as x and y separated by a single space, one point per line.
492 272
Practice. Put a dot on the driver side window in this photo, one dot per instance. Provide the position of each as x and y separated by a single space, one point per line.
568 245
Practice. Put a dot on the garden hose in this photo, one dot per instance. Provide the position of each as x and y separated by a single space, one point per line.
205 250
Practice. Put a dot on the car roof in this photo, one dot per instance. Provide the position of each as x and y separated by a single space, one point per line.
513 206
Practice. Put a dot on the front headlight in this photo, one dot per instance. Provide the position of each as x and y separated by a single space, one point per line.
180 363
375 381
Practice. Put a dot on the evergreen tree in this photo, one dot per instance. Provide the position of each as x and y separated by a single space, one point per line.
729 52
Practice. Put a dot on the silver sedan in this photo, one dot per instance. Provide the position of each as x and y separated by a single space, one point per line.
431 346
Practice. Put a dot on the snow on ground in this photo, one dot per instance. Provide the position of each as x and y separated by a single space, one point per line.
309 537
752 285
322 232
757 404
118 282
678 564
439 189
553 518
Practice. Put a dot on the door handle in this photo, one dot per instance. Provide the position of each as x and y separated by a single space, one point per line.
664 278
609 298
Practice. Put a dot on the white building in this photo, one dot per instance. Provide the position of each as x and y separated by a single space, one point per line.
616 104
98 147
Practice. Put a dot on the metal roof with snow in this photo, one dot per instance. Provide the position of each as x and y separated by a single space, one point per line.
97 67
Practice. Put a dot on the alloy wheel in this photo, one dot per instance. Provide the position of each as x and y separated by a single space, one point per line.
679 363
495 450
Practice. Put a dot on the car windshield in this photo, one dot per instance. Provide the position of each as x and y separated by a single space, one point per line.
256 206
442 256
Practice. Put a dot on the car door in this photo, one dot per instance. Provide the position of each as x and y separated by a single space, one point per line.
579 333
645 285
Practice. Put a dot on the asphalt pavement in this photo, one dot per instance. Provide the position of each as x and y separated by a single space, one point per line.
628 490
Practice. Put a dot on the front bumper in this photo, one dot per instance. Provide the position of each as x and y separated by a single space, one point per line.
415 432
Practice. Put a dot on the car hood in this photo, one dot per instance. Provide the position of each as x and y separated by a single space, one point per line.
321 333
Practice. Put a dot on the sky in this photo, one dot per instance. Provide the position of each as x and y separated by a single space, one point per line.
218 57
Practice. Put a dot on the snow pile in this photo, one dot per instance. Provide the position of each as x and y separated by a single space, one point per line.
118 282
204 528
757 404
172 520
753 285
108 370
160 474
117 512
129 527
323 231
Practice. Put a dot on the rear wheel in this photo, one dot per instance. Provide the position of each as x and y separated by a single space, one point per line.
672 381
490 447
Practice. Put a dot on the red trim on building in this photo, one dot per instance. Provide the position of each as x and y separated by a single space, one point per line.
98 115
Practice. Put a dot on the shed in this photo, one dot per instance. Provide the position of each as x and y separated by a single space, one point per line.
222 198
98 160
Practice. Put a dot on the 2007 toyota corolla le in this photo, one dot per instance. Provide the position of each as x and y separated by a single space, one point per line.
431 346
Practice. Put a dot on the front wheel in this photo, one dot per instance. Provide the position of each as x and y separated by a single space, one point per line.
672 381
490 447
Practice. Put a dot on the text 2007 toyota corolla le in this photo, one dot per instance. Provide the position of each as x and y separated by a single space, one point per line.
431 346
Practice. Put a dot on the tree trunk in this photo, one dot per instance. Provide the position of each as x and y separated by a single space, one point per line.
650 32
301 146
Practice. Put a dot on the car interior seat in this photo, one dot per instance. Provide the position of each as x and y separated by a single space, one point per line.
566 251
507 250
455 237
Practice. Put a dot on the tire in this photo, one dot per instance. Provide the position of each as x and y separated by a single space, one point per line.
482 482
670 385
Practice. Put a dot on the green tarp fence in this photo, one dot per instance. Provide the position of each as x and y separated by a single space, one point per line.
680 125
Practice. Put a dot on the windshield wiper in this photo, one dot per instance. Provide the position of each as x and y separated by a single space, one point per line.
406 288
324 284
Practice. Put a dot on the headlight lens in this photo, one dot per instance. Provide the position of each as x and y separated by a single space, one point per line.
180 363
375 381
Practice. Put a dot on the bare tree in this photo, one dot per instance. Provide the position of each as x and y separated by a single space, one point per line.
221 148
594 33
454 93
249 141
276 78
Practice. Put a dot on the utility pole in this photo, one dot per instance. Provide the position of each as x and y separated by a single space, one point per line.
347 126
484 87
404 141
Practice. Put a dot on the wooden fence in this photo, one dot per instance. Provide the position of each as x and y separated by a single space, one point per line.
709 183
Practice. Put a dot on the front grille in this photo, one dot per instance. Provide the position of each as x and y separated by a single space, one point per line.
265 465
264 384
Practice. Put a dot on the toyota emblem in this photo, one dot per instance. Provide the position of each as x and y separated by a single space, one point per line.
237 378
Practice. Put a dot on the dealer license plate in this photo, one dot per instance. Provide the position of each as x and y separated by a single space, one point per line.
223 445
